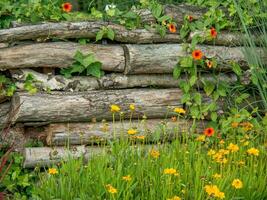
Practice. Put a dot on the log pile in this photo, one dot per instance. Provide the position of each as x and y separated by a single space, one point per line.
76 111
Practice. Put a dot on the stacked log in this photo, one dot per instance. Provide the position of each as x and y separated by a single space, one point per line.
137 71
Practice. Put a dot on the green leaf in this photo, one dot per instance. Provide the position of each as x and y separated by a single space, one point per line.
186 62
236 68
110 34
185 98
76 68
208 87
156 10
79 57
214 116
97 14
197 98
100 35
95 70
192 80
176 72
88 60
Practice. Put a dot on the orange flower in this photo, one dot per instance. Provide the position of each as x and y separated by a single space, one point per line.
209 63
174 119
197 54
66 7
209 131
172 28
190 18
213 32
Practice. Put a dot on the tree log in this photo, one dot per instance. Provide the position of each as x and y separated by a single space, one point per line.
161 58
4 110
101 132
109 81
60 54
45 156
85 106
68 30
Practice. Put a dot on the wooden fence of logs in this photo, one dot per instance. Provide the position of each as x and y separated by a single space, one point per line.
77 110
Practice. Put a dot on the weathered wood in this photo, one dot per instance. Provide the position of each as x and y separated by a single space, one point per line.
45 156
109 81
4 110
60 54
161 58
64 30
101 132
84 106
13 136
3 45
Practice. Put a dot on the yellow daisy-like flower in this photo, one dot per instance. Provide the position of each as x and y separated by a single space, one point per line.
246 143
253 151
234 124
132 131
170 171
52 171
221 142
115 108
140 137
237 184
224 151
211 152
201 138
132 107
175 198
213 190
111 189
154 153
179 110
233 147
220 195
217 176
127 178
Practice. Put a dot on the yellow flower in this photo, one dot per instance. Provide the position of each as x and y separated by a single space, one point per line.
237 184
132 131
233 147
201 138
127 178
247 126
221 142
246 143
217 176
175 198
220 195
111 189
52 171
213 190
132 107
179 110
140 137
154 153
224 151
170 171
253 151
234 124
114 108
211 152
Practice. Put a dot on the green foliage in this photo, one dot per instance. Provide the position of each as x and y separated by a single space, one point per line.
7 87
105 32
29 84
84 64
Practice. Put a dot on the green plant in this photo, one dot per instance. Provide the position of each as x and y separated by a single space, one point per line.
105 32
84 64
7 87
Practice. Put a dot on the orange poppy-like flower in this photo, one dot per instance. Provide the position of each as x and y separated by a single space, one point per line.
197 54
190 18
172 28
209 63
213 32
66 7
209 131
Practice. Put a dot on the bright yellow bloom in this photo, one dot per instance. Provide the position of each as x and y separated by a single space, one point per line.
201 138
154 153
237 184
217 176
132 107
111 189
220 195
246 143
235 124
233 147
224 151
179 110
213 190
127 178
52 171
175 198
247 126
170 171
253 151
115 108
132 131
221 142
140 137
211 152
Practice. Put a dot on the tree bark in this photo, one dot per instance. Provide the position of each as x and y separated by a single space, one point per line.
85 106
60 54
45 156
109 81
4 111
161 58
101 132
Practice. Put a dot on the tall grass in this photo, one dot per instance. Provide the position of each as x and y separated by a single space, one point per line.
256 38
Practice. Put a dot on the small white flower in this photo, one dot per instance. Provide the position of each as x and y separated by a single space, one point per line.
110 6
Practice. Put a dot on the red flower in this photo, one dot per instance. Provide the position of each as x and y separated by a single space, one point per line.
172 28
213 32
66 7
197 54
209 131
209 63
190 18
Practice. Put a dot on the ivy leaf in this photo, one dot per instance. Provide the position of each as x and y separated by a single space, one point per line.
88 60
176 72
95 69
208 87
110 34
197 98
79 57
192 80
99 35
214 116
186 62
185 98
